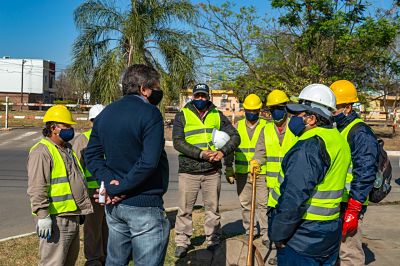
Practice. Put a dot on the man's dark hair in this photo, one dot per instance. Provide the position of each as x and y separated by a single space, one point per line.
136 76
47 129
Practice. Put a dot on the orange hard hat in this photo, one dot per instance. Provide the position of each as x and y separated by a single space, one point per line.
345 92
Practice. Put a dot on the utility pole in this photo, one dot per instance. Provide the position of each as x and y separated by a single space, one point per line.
22 83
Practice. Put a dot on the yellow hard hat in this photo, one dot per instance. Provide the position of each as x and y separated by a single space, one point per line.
60 114
276 97
252 102
345 92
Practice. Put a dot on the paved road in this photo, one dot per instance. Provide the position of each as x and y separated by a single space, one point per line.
15 215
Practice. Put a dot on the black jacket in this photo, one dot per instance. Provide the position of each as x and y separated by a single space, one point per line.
364 156
189 159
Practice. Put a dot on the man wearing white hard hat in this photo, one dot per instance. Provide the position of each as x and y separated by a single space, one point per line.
95 229
305 225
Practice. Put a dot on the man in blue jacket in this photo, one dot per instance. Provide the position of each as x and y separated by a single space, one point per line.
361 175
305 225
126 151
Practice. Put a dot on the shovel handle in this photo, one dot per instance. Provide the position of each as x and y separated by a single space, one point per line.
252 211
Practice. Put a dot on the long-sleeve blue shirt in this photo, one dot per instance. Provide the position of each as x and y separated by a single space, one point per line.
364 156
305 165
127 145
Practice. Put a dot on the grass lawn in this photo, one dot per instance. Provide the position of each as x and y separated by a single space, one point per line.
24 251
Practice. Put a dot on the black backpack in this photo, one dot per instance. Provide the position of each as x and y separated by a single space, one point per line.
382 185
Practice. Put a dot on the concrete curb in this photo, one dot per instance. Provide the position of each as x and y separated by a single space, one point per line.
17 236
393 153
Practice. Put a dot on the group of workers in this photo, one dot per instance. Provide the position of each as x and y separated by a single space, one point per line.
313 176
312 180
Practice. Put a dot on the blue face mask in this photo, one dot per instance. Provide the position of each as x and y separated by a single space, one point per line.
278 114
67 134
252 116
339 118
296 125
200 104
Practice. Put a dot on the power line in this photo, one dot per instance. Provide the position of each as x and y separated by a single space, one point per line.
33 66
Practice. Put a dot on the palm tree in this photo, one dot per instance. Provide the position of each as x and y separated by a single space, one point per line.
115 36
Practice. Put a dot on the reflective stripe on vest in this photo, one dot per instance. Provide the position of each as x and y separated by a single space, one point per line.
349 177
245 152
59 191
91 181
324 204
199 133
275 153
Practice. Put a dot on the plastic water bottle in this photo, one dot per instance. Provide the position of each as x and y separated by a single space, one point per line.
102 198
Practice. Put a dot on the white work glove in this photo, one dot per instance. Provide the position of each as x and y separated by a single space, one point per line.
44 227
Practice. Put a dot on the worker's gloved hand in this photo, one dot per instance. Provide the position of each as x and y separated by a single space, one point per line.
255 167
230 175
44 227
350 218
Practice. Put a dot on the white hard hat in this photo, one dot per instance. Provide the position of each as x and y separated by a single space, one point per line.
219 138
95 111
317 98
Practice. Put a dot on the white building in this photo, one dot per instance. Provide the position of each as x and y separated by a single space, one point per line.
38 83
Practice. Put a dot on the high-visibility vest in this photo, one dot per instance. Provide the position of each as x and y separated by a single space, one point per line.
324 204
275 153
245 152
199 133
91 180
59 191
349 177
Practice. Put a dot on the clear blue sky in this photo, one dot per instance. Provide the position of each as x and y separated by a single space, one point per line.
44 29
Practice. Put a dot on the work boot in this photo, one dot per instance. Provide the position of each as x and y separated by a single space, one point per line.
180 252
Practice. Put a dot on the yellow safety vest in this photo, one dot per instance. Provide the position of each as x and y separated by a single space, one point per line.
245 152
275 153
349 177
91 180
324 205
199 133
59 191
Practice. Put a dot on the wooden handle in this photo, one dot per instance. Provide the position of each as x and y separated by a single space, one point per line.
252 211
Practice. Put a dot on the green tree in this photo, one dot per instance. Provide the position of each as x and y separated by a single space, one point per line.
113 37
326 40
228 40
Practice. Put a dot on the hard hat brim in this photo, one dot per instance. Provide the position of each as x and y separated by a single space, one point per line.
297 108
245 106
61 122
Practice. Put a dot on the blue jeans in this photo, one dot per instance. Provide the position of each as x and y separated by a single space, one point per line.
140 233
289 257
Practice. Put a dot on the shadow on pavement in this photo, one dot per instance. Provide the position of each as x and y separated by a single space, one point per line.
233 228
369 255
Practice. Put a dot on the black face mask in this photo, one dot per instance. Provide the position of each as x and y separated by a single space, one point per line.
155 97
